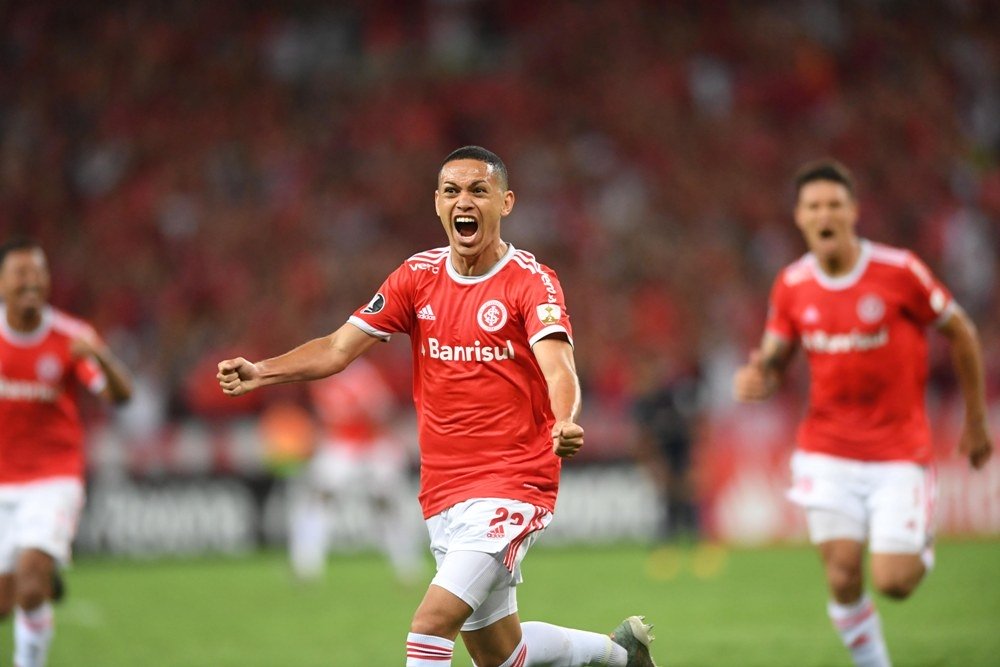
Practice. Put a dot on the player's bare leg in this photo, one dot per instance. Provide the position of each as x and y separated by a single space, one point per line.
33 617
434 627
897 575
852 612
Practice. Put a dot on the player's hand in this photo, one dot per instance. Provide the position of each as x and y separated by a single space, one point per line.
237 376
567 439
975 442
754 382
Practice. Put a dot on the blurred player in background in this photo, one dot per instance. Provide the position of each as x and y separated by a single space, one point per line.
45 355
497 400
358 456
862 467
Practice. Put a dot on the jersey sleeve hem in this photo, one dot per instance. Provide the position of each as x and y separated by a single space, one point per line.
369 329
777 334
946 313
548 331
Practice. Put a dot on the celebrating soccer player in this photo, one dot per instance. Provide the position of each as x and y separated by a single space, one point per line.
44 355
498 400
861 469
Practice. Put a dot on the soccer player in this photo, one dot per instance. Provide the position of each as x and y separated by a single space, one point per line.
862 466
358 457
497 401
45 355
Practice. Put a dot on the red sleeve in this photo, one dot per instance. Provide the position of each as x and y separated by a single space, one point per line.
391 309
927 301
779 315
543 306
89 374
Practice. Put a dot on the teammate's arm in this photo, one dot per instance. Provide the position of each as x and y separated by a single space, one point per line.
555 358
319 358
967 359
119 387
764 372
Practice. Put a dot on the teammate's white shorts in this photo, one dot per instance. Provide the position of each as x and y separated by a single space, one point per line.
380 469
888 504
39 515
478 546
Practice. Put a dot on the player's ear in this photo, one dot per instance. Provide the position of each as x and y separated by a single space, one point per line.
508 203
437 196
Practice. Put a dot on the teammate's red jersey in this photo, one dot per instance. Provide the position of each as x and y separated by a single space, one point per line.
482 403
40 431
865 337
353 406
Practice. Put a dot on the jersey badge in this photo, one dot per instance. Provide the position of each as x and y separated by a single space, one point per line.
48 368
492 316
426 313
810 315
548 313
871 308
375 305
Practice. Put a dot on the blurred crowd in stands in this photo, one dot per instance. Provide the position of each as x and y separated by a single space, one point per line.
218 178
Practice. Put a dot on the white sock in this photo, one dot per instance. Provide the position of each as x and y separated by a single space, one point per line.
307 539
861 631
553 646
428 651
33 632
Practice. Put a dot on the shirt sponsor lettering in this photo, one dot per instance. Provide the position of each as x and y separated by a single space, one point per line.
475 352
20 390
549 287
855 341
424 266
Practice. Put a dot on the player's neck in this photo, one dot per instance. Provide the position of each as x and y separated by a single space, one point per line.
479 265
24 321
842 261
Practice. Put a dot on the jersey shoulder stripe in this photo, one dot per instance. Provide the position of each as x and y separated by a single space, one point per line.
527 261
798 271
884 254
434 256
68 325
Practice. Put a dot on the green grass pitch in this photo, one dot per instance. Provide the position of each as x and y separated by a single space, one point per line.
753 607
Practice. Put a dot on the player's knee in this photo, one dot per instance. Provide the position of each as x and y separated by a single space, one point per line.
844 579
435 623
897 585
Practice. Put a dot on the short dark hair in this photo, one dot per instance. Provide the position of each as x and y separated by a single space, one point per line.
483 155
17 243
824 170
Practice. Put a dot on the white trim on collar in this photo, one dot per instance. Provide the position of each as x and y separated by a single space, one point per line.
847 280
21 338
469 280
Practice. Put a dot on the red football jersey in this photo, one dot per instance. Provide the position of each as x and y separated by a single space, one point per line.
40 431
353 406
483 410
865 337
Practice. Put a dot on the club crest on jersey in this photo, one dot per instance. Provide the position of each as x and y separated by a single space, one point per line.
48 368
548 313
492 316
810 315
375 305
871 308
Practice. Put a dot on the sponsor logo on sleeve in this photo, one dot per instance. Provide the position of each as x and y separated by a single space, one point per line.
375 305
548 313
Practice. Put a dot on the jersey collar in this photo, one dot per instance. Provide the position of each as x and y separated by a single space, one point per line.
849 278
22 338
469 280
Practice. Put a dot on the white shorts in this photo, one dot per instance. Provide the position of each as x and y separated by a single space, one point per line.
888 504
478 546
39 515
378 470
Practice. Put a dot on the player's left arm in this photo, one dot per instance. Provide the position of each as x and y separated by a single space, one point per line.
119 380
967 359
555 358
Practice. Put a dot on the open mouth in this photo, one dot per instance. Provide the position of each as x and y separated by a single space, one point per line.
826 233
466 226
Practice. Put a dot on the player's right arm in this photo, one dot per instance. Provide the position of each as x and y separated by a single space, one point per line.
763 374
318 358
